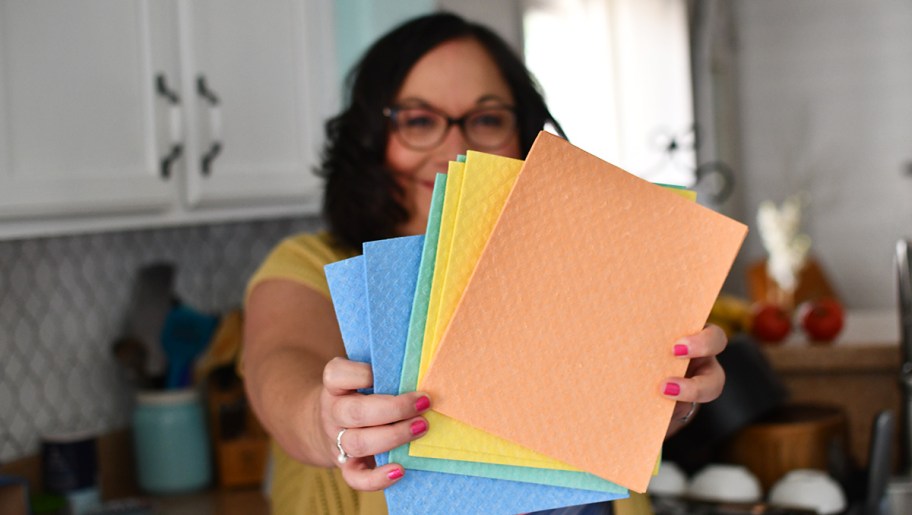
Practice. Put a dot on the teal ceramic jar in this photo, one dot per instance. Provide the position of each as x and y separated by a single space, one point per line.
170 441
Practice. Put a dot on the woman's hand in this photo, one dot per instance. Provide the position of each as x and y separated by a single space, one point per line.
704 378
304 394
373 423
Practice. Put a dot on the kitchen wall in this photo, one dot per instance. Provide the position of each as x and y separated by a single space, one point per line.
825 110
63 301
817 103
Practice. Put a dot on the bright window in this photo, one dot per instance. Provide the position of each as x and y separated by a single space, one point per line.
616 75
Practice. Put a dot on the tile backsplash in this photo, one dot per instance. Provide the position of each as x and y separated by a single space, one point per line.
63 301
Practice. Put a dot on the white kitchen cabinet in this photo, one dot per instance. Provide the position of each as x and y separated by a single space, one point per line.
140 113
78 110
249 87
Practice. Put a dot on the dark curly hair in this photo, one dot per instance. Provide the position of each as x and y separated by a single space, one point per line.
360 200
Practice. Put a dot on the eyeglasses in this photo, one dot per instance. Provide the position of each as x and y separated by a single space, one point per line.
423 128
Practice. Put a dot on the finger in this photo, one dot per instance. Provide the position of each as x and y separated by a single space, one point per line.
711 341
375 410
368 441
341 376
360 474
703 386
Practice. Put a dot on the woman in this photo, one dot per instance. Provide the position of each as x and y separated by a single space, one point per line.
382 153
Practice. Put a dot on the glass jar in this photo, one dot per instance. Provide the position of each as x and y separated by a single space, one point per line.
170 441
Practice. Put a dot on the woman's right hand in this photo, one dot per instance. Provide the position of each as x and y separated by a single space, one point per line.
373 423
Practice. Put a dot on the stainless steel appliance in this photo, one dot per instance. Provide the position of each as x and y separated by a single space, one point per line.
904 276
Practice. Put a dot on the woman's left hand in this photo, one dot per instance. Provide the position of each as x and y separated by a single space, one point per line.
704 379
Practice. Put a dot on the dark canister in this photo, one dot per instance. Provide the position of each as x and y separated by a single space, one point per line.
69 461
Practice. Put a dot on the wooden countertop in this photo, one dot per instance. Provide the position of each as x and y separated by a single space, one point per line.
869 342
851 357
214 502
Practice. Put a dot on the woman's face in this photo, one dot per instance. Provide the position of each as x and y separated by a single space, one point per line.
454 78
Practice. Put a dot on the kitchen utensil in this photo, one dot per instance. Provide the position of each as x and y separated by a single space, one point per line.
725 483
132 355
225 346
185 335
879 463
904 281
150 303
809 488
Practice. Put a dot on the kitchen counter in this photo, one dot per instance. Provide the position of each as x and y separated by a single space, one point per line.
859 372
118 482
214 502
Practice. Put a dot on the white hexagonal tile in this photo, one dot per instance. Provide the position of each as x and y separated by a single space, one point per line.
62 302
19 427
8 450
39 364
20 280
7 401
29 396
44 416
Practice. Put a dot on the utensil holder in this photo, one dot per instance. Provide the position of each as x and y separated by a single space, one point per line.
171 443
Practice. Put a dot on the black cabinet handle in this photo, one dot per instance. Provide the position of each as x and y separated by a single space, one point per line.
215 147
177 148
203 89
206 162
161 86
168 160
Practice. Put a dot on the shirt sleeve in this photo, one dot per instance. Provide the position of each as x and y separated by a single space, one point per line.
300 259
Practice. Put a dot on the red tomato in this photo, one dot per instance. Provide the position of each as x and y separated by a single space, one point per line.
821 319
770 323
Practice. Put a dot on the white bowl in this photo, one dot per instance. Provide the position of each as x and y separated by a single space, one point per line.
808 488
670 481
727 483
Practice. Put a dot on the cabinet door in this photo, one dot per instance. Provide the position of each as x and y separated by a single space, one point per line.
81 126
251 75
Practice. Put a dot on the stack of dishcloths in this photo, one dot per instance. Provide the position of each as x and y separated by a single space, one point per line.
538 312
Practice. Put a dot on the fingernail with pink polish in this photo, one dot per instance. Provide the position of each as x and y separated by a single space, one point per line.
418 427
422 403
394 474
680 349
672 389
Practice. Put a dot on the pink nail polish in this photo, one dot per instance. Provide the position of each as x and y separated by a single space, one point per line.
680 350
395 474
672 389
418 427
422 403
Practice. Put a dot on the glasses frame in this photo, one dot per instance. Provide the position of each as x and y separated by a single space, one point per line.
392 112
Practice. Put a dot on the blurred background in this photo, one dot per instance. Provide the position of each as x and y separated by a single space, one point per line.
136 133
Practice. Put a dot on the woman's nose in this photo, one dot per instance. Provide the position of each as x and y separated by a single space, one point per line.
454 143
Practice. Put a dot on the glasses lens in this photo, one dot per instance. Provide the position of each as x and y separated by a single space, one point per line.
489 128
419 127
